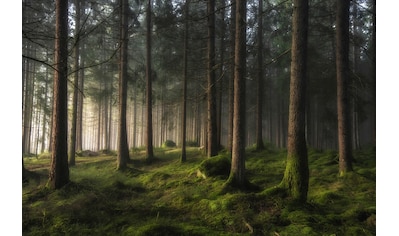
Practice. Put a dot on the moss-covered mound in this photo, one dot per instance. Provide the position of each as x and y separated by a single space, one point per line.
218 166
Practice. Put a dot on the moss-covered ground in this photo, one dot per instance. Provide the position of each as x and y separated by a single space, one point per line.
173 198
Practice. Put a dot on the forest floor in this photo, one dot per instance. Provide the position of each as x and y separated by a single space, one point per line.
172 198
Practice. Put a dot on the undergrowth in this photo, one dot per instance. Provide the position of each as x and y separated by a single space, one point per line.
168 197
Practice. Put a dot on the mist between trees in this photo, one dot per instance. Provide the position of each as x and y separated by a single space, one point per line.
180 54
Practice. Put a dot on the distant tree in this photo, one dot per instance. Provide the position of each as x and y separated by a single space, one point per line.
72 142
27 98
59 170
123 149
79 119
237 172
259 77
343 98
149 147
185 52
211 88
296 175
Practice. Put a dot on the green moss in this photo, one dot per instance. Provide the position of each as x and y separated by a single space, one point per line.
218 166
167 197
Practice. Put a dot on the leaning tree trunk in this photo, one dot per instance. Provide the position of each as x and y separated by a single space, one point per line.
237 172
343 98
59 170
296 175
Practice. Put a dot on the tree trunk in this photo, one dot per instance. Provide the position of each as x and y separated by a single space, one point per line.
184 112
212 149
135 119
343 102
59 170
296 175
237 172
259 95
149 148
123 149
28 81
79 125
231 79
221 74
44 124
72 142
373 76
355 71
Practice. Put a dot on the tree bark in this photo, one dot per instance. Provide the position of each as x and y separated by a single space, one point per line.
296 175
259 96
184 112
343 82
373 76
149 147
44 124
237 172
221 74
123 149
79 119
231 79
59 170
72 142
28 82
211 88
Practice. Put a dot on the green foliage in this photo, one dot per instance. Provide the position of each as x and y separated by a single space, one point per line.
167 198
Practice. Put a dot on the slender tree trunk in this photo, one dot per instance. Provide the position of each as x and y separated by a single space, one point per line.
237 172
72 142
123 149
59 170
28 80
355 70
184 112
343 102
373 76
44 124
149 147
296 175
221 74
231 78
135 119
99 122
79 119
259 98
212 149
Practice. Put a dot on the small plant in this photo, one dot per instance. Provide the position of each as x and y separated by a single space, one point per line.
169 144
